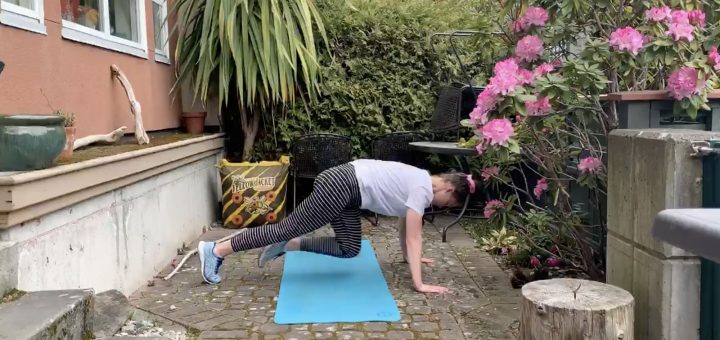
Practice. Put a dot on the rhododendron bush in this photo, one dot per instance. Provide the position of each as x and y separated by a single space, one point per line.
539 125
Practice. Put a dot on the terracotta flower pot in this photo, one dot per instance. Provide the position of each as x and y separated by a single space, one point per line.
194 122
67 152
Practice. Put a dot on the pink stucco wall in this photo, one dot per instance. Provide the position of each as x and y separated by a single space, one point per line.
76 77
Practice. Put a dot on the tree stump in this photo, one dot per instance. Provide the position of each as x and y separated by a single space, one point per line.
561 309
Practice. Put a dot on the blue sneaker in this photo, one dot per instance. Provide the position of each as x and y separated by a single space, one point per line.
271 252
209 263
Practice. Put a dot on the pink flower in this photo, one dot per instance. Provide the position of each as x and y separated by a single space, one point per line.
714 58
526 77
518 25
627 39
480 148
590 165
536 16
552 262
491 207
540 107
506 77
498 131
556 62
543 69
680 26
485 103
540 187
681 30
658 14
529 48
679 17
697 18
683 83
488 173
478 115
535 262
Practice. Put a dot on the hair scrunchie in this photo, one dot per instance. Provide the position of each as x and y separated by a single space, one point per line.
471 184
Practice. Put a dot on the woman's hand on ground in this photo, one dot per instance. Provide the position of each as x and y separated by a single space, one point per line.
432 289
422 260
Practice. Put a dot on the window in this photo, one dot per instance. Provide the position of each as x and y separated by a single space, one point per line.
160 31
114 24
25 14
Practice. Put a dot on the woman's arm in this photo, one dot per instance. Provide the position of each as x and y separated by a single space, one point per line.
403 243
413 240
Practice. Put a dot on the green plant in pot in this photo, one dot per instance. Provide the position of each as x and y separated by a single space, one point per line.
30 142
256 54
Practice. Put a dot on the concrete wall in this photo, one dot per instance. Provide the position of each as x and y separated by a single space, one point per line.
76 77
117 240
651 170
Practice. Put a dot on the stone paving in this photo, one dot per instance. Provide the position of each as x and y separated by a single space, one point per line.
481 304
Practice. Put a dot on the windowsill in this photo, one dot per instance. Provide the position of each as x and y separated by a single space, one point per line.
162 59
21 21
85 35
28 195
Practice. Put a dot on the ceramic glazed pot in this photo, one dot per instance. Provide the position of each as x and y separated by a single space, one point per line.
30 142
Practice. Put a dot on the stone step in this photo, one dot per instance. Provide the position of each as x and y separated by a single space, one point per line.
111 311
59 314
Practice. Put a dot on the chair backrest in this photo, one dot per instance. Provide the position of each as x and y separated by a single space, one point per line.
446 114
314 153
395 146
454 104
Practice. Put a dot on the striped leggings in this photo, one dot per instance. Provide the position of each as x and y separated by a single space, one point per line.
335 199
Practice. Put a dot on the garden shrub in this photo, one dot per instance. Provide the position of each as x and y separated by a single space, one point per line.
541 113
383 74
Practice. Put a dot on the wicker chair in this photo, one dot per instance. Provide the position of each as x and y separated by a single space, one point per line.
395 146
454 104
314 153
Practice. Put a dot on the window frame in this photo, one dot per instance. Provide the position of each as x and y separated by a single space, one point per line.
103 38
162 54
32 20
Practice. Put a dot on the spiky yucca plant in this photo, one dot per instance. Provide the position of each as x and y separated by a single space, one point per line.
258 52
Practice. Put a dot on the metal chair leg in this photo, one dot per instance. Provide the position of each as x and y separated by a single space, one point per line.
460 216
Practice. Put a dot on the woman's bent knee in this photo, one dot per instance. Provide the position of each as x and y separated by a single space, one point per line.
350 253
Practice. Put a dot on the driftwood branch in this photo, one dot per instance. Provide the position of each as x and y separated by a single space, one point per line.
110 138
194 251
140 134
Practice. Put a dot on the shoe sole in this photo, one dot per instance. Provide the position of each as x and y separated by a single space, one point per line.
260 264
202 261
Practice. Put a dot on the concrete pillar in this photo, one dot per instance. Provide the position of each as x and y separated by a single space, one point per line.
648 171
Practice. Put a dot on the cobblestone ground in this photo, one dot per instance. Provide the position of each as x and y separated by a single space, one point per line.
481 304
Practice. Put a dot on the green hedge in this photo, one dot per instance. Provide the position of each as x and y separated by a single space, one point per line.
383 74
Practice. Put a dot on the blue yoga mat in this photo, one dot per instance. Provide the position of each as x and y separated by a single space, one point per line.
323 289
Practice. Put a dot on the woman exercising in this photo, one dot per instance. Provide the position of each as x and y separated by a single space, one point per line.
339 193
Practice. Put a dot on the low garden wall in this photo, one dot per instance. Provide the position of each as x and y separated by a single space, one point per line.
107 223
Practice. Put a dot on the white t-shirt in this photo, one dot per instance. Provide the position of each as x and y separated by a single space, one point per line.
390 188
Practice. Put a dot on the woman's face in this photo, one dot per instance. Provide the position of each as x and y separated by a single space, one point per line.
443 195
